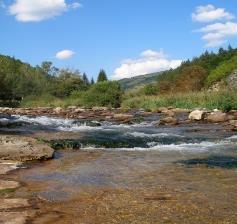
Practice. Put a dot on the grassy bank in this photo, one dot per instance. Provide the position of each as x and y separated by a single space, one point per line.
225 100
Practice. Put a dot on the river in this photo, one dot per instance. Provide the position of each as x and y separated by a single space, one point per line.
138 173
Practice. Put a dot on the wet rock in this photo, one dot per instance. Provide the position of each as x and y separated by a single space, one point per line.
169 120
23 149
217 117
197 115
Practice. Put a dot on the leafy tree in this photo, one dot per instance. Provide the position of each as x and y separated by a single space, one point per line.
102 76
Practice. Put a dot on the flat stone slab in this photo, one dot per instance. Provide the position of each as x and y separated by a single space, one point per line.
7 184
7 166
12 203
20 148
15 217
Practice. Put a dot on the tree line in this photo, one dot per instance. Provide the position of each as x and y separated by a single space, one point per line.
19 80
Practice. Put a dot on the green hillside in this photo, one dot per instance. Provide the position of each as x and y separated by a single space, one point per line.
130 83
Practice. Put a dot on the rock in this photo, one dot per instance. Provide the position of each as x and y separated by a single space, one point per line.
161 109
217 117
233 124
169 120
72 108
197 115
232 80
122 116
58 110
15 217
7 184
19 148
168 113
180 110
11 203
6 166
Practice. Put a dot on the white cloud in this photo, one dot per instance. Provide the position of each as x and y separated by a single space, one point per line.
64 54
218 33
149 61
210 13
38 10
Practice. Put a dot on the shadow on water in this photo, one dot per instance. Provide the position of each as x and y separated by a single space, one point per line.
226 162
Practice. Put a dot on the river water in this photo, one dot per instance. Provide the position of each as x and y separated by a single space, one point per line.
139 173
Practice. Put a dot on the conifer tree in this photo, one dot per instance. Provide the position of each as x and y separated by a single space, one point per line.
102 76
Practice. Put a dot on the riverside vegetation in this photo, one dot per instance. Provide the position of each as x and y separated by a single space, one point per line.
201 82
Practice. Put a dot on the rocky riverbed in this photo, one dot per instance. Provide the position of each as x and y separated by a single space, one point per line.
133 166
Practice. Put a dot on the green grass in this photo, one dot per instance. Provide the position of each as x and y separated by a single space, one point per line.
224 100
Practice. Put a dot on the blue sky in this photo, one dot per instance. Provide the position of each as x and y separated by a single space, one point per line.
125 37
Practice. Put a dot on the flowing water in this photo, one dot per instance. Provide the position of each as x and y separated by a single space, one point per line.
140 173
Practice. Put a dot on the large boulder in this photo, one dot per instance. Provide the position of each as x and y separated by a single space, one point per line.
197 115
23 149
217 117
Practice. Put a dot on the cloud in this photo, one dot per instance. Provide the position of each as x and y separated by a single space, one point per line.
218 33
210 13
64 54
149 61
38 10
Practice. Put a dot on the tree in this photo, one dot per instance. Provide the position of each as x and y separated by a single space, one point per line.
92 81
102 76
85 79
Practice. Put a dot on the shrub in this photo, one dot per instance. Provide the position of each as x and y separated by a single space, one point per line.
107 93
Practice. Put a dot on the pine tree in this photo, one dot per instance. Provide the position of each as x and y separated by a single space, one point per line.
92 81
85 79
102 76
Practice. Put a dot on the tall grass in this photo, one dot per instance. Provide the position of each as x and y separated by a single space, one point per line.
225 100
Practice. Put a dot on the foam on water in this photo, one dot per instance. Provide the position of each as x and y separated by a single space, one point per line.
187 147
145 135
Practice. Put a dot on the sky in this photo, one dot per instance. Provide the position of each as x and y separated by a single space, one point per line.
124 37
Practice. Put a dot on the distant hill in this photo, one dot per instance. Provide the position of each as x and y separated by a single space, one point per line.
130 83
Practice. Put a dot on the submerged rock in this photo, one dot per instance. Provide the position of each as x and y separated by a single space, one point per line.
23 149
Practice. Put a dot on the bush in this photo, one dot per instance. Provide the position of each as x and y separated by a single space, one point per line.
150 90
107 93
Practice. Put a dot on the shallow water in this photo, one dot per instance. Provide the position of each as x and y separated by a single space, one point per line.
131 173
